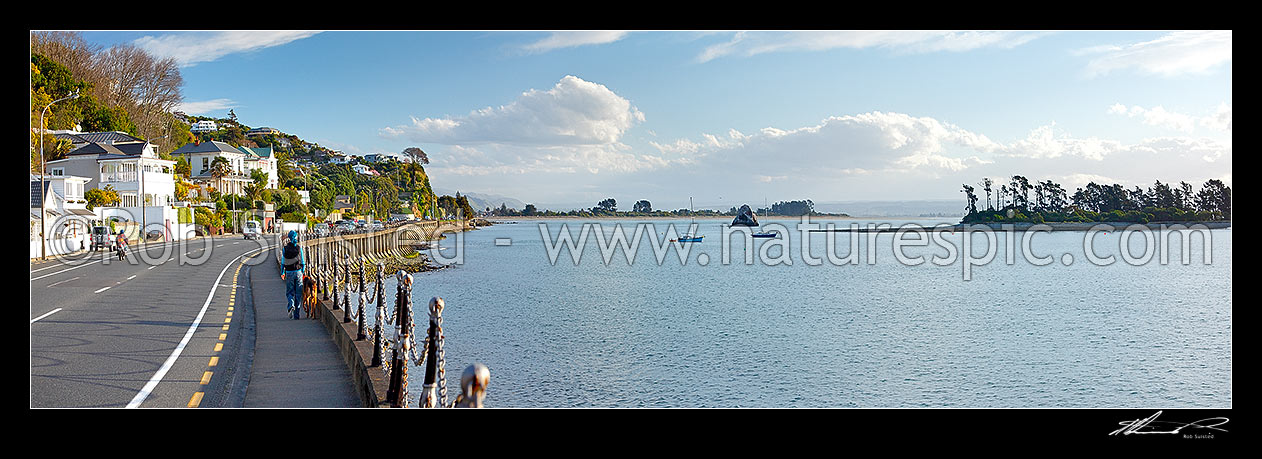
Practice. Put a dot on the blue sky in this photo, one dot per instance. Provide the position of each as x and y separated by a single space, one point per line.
568 118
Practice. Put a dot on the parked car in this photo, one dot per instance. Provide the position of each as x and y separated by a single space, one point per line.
101 238
377 225
252 230
345 226
320 230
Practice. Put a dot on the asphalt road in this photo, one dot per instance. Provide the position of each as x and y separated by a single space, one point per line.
167 328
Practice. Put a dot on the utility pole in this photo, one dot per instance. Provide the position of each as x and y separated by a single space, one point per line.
42 205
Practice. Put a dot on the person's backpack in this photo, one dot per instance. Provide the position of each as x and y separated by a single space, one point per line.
293 257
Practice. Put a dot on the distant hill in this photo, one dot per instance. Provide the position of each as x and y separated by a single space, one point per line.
949 207
480 201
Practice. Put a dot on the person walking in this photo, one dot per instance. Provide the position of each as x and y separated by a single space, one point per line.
292 274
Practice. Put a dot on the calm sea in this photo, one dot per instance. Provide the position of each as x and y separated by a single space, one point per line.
886 334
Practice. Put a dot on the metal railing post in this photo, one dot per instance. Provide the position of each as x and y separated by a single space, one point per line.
361 335
381 316
336 262
473 384
396 393
429 396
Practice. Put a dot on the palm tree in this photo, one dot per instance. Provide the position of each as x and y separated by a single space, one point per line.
220 168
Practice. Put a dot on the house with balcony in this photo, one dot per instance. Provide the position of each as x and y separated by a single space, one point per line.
264 159
145 182
203 126
201 156
131 168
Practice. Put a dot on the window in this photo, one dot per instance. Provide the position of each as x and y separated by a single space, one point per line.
205 163
57 171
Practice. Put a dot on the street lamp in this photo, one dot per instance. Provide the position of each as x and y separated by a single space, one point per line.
42 239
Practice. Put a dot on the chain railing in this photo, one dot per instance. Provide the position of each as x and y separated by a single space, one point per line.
338 265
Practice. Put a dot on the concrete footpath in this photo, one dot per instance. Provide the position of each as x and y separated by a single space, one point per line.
296 364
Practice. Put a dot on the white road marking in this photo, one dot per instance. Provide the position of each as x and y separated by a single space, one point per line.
103 289
62 271
154 266
49 313
62 282
166 366
133 276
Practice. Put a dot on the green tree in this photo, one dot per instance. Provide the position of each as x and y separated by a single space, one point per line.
608 205
98 197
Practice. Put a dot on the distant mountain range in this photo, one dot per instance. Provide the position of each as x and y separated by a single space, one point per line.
480 201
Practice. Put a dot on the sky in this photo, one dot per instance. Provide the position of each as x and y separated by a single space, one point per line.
565 119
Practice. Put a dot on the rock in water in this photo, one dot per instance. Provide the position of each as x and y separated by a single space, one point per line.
745 217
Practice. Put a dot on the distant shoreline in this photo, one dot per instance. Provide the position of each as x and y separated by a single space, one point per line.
498 220
1049 226
993 226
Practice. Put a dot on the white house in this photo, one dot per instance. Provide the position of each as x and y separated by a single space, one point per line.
202 155
131 168
337 157
363 169
262 158
67 223
204 126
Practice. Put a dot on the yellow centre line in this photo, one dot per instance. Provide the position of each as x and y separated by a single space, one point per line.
196 400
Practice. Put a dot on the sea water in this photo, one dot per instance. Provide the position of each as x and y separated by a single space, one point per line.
882 332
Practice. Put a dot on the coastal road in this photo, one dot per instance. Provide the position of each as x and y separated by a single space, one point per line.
166 328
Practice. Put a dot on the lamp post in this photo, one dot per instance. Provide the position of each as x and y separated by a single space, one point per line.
43 239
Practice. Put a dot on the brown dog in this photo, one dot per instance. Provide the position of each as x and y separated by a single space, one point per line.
309 299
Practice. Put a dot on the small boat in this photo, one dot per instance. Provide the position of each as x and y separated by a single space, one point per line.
689 237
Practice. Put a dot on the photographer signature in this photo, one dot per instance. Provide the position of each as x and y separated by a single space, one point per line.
1139 426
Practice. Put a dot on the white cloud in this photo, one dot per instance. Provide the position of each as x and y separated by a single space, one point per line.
206 106
753 43
1220 120
574 112
872 155
575 126
856 144
1173 54
571 39
194 47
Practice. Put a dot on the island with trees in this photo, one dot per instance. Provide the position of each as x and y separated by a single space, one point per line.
1023 201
